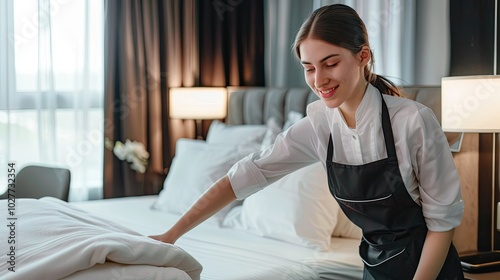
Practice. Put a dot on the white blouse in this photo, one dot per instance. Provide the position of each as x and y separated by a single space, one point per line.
423 153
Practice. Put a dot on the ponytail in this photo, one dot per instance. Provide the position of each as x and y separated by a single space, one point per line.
384 85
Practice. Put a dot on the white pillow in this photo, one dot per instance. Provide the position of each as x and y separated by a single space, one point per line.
220 133
272 131
297 208
292 117
195 167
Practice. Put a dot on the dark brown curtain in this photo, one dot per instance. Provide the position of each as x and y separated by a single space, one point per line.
152 45
231 43
143 57
471 37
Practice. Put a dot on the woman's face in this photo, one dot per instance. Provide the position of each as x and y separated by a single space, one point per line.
333 72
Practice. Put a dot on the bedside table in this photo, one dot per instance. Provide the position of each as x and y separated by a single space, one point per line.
488 262
482 276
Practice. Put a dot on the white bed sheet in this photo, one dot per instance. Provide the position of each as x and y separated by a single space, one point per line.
229 254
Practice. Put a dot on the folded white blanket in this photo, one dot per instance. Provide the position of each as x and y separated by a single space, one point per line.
54 239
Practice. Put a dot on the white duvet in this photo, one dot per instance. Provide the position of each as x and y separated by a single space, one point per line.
56 240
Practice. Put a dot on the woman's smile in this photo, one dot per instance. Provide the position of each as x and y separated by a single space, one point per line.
327 93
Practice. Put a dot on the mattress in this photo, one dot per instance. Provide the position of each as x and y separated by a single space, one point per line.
232 254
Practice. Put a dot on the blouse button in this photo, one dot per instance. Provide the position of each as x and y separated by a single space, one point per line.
354 137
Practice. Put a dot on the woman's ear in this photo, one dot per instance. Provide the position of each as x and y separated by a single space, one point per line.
364 55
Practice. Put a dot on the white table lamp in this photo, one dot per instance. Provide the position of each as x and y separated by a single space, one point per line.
472 104
198 103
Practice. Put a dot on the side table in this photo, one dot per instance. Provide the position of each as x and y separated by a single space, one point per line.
483 276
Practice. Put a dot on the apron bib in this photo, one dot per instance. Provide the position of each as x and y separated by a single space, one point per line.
373 196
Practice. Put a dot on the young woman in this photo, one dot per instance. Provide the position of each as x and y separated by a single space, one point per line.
387 160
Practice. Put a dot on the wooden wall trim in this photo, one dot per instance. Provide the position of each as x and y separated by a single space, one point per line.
486 194
497 192
466 235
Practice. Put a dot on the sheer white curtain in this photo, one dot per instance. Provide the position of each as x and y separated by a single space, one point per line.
51 88
283 20
391 26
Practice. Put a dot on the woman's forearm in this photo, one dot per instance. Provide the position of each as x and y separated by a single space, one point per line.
215 198
434 254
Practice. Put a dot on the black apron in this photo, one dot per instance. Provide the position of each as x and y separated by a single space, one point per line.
373 196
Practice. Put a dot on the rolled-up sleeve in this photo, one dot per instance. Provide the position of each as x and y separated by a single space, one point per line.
439 183
246 178
292 150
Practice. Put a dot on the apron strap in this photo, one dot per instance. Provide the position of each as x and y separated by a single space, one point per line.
387 128
329 154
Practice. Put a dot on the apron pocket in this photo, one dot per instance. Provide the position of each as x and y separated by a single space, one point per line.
393 263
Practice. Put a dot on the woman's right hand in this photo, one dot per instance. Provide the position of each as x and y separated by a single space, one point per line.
165 237
215 198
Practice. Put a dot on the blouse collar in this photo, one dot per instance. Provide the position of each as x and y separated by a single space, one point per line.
369 107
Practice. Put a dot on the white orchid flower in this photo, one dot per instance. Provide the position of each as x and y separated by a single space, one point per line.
133 152
119 150
138 165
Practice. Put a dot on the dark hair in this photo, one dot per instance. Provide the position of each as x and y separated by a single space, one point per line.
341 25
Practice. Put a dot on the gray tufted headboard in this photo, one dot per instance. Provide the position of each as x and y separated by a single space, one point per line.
430 96
254 105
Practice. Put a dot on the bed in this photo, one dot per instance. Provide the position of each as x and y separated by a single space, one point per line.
292 229
227 253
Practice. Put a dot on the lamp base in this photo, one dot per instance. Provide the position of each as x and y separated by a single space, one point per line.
480 262
198 128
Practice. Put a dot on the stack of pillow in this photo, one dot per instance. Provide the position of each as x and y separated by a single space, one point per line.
298 208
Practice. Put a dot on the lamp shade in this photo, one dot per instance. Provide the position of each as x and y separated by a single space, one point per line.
198 103
470 104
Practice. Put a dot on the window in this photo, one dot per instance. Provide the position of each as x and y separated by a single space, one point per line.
51 108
